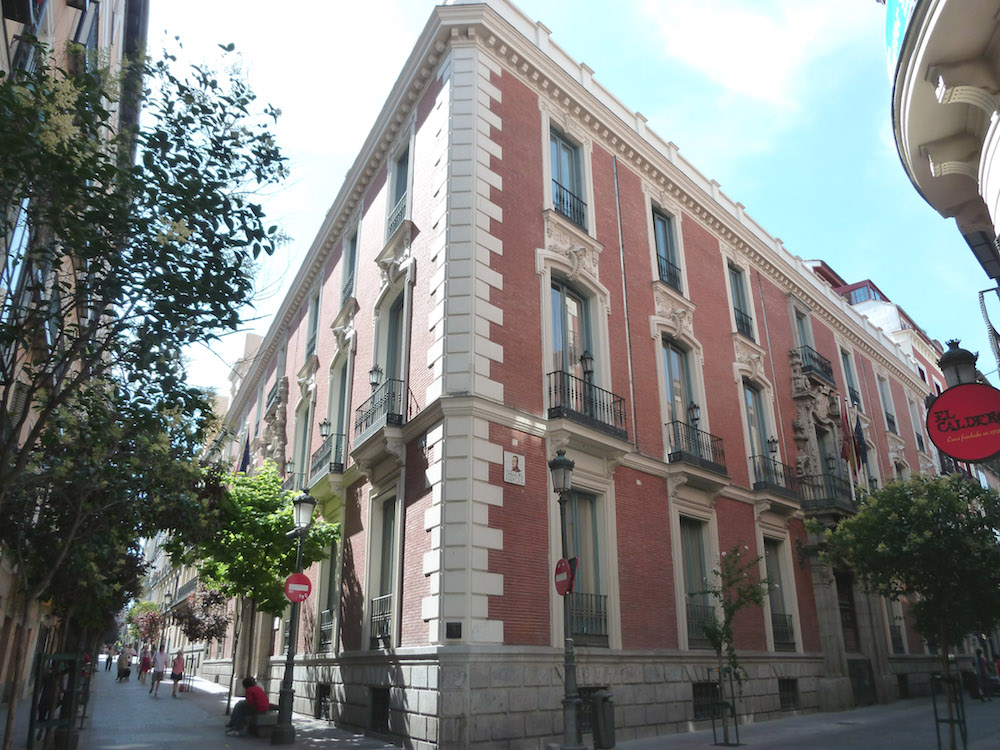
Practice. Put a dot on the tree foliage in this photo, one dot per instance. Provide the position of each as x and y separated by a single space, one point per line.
935 541
134 612
203 616
735 586
114 264
250 555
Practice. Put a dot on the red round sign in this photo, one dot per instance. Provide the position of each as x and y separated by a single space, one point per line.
297 587
564 577
964 422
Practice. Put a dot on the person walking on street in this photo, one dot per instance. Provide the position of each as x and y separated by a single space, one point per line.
177 671
159 667
145 662
111 658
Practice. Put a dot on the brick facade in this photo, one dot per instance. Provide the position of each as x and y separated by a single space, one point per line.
453 302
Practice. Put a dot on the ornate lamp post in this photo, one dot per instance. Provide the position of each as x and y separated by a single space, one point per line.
561 469
958 365
374 377
284 732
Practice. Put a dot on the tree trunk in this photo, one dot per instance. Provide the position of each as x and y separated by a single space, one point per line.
18 652
949 692
250 640
237 627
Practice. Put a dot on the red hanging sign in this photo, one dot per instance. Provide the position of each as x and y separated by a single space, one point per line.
964 422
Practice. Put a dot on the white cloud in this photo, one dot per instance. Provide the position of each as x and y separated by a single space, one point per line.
761 50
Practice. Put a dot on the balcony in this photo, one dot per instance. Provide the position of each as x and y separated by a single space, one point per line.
669 273
697 617
690 445
396 217
272 395
569 205
381 621
816 365
385 406
822 493
783 631
329 457
774 476
288 484
588 619
744 323
325 631
347 290
855 397
890 423
311 344
584 402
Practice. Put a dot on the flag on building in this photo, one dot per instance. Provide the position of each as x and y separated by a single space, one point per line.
860 445
848 448
245 461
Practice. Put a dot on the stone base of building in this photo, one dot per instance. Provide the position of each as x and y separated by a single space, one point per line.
458 697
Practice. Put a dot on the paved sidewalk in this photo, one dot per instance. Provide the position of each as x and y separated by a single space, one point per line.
124 716
904 724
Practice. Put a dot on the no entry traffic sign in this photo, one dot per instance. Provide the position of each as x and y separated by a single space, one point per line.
565 570
297 587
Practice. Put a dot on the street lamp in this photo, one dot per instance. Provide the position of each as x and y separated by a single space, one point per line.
324 429
561 469
694 414
374 377
958 365
772 445
283 732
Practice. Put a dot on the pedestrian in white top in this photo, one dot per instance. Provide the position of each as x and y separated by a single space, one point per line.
159 667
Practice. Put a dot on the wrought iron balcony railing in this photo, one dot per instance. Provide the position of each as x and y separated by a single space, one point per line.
289 483
669 273
783 631
396 217
815 363
744 323
691 445
769 474
584 402
588 619
855 397
272 395
381 621
347 290
569 205
823 492
384 406
329 457
697 616
896 635
890 422
325 631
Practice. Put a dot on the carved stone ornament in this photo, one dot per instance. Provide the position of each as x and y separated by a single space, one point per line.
581 259
675 482
275 424
307 387
750 359
680 317
394 266
344 336
815 404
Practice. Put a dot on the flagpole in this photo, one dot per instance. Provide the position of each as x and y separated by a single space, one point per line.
850 461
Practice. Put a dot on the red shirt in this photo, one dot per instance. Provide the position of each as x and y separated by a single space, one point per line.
257 698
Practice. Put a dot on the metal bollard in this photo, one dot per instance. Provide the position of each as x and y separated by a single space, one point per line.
603 719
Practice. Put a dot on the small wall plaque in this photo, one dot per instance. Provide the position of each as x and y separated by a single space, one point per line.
513 468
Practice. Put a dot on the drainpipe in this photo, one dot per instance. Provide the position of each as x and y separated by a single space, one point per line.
628 336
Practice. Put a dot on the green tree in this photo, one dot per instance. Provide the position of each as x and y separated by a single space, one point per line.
250 554
115 265
934 541
203 617
736 585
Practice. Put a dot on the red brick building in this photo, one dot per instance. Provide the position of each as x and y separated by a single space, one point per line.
516 264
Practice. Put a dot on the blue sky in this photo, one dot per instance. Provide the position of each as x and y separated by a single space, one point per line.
786 104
